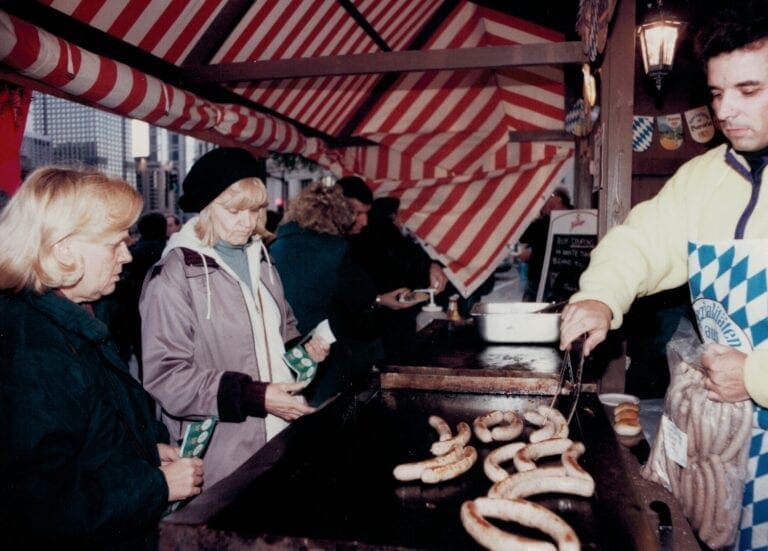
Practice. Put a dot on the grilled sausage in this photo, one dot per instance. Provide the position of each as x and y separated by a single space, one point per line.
525 457
492 464
504 486
433 475
463 434
523 512
584 487
570 461
414 470
443 429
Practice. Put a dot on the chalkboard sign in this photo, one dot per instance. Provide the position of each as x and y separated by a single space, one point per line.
572 236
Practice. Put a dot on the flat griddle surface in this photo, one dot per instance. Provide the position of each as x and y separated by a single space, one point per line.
333 479
443 344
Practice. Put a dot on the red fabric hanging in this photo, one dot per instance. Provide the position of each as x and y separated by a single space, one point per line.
14 107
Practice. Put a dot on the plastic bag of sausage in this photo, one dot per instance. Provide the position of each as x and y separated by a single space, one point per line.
700 450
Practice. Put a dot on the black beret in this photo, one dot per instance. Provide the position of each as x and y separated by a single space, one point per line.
213 173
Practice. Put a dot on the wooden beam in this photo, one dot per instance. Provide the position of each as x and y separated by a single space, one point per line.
541 136
490 57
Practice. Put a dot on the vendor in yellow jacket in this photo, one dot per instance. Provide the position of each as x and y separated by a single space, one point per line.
709 227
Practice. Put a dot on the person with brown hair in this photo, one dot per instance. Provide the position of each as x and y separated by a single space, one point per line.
322 281
84 462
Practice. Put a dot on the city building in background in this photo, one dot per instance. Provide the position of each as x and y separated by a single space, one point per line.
154 160
159 175
36 150
83 136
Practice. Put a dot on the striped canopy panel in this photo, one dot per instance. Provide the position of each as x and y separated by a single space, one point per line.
438 140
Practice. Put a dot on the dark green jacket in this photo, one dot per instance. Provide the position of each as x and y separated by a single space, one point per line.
322 281
78 455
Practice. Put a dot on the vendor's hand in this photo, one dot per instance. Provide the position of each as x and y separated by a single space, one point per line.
184 477
586 316
389 299
168 454
317 348
437 278
724 368
280 400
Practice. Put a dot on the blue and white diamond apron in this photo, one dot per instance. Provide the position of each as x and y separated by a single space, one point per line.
729 290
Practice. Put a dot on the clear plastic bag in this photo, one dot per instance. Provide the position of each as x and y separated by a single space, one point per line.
700 451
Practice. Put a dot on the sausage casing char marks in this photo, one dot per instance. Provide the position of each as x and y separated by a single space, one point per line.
433 475
463 434
551 422
526 513
497 425
413 471
443 429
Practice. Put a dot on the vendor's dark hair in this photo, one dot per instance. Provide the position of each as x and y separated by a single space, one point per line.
731 27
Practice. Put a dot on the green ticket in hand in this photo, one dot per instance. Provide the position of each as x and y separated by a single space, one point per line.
301 363
197 436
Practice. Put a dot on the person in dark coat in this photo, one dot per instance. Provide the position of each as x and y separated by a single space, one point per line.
534 241
84 463
121 308
392 259
322 281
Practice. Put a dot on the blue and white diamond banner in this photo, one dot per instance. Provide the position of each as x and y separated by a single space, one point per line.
729 290
642 133
728 281
576 121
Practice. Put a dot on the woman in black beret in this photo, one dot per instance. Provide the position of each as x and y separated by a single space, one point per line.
215 322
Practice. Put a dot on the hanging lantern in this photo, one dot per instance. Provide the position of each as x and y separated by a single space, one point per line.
658 36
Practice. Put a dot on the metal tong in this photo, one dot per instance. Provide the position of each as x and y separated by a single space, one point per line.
573 367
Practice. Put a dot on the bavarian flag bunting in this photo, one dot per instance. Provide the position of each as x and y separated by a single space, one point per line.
642 133
670 131
700 124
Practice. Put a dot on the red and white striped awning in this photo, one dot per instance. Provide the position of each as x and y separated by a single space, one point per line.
438 140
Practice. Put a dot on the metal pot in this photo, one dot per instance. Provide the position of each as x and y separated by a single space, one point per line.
516 322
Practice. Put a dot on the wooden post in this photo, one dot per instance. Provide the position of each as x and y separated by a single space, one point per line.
617 106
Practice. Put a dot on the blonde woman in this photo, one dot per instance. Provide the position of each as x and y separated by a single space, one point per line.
214 319
83 461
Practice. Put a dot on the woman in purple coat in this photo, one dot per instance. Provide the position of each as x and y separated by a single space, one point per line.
214 319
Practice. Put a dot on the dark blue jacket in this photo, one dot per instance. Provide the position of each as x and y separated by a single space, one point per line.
78 454
321 281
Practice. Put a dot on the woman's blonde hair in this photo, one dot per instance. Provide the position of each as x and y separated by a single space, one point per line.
321 208
248 193
52 204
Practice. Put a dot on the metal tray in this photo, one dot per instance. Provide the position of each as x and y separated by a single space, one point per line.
516 322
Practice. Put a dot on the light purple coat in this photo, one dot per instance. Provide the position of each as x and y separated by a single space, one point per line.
185 354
